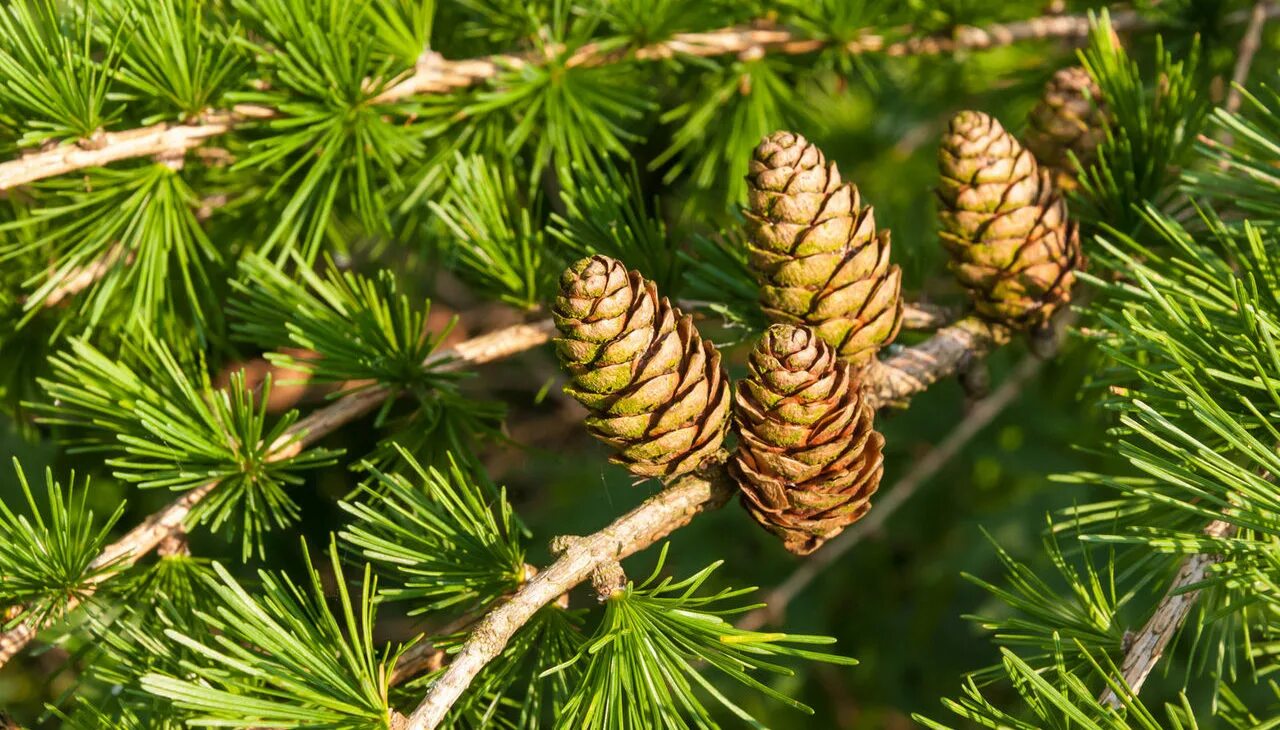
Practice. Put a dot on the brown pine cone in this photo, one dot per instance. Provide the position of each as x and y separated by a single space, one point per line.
1004 224
809 457
816 252
655 389
1070 118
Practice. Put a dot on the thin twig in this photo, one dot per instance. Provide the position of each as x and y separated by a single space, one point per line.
435 75
893 380
1146 648
157 140
914 369
979 417
1249 44
148 535
1245 53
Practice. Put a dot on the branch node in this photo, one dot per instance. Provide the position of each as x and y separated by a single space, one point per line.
174 544
609 581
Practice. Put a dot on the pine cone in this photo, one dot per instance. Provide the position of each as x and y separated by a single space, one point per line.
1070 117
816 252
655 390
1004 223
808 457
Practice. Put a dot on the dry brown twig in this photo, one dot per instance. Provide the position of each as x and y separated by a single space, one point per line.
1250 42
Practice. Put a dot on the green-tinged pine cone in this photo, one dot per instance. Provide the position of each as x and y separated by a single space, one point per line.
816 251
655 389
809 457
1004 223
1070 118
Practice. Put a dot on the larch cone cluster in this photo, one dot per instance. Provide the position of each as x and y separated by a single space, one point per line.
816 252
655 389
1070 119
808 458
1004 223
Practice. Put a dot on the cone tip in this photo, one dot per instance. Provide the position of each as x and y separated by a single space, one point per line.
968 120
784 147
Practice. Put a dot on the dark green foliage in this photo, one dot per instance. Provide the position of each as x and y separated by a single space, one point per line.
138 224
352 328
736 106
1042 621
718 278
606 213
494 242
403 26
173 55
332 143
1245 179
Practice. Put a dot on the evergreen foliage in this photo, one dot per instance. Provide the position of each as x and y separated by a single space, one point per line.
197 188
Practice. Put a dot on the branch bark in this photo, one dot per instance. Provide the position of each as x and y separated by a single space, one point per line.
913 370
156 140
171 520
1150 643
926 316
436 75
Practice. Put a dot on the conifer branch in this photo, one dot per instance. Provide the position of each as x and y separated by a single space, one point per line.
14 640
436 75
1145 649
892 381
83 277
653 520
156 528
916 368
